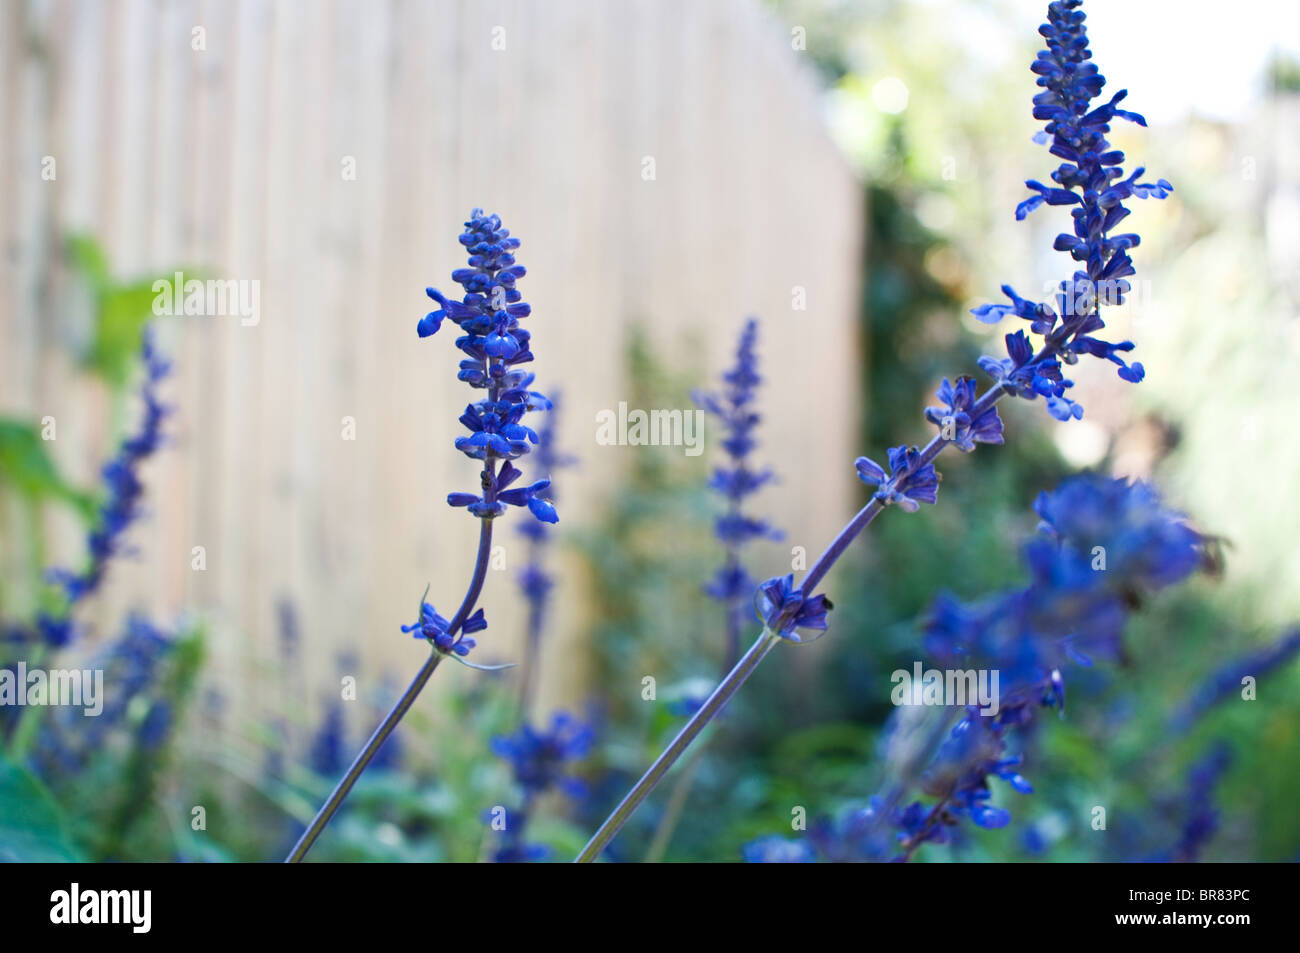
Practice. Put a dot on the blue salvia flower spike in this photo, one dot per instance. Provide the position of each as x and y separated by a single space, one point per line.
122 507
535 581
496 347
1091 182
734 409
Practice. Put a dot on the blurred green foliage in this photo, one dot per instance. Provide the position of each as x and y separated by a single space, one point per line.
121 310
33 828
27 467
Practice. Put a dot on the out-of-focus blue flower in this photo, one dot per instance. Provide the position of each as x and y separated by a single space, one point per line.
738 479
1202 819
540 759
954 418
495 346
1075 601
974 752
910 483
1104 543
121 507
548 458
1120 528
520 853
775 849
289 636
857 835
734 409
1091 182
57 630
157 725
134 665
329 747
1226 681
135 659
535 580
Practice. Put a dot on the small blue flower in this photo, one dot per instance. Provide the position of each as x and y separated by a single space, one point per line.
1028 377
434 628
532 496
540 759
955 416
782 607
535 582
329 746
910 484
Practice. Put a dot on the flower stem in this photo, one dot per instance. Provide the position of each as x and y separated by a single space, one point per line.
721 695
528 671
399 710
931 822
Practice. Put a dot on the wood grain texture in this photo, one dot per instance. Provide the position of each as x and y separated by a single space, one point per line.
229 160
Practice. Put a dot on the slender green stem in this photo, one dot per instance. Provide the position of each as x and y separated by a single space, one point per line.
721 695
528 677
677 799
341 790
391 720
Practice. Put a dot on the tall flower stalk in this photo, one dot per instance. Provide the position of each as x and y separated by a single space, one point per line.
1091 181
535 580
495 347
736 481
122 505
55 626
539 761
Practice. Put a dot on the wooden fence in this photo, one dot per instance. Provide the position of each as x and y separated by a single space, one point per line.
662 160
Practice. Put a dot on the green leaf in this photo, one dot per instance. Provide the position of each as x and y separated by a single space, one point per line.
33 828
124 310
88 258
25 464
